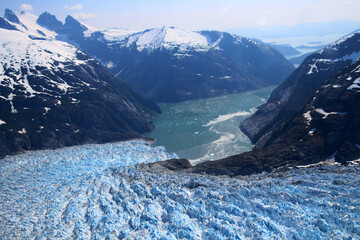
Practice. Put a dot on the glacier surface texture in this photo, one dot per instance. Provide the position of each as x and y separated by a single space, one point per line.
97 192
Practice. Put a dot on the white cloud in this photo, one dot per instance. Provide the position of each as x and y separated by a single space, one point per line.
82 15
26 7
75 7
226 9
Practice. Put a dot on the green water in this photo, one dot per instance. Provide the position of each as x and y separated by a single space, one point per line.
207 129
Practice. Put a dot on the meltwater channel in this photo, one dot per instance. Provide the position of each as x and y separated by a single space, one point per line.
207 129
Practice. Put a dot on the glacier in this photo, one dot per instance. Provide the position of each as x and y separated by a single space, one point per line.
106 192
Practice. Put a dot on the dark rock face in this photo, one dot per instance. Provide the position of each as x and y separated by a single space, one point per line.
166 76
230 64
53 95
73 28
6 25
105 111
293 93
50 22
172 164
328 125
10 15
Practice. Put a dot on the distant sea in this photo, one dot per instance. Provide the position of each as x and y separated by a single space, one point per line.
207 129
311 41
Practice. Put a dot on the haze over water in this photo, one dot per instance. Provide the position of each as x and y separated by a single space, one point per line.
207 129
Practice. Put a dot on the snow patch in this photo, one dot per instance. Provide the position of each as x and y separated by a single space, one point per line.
326 114
90 30
353 56
63 86
116 34
110 65
355 84
308 117
46 110
182 55
22 131
312 68
311 132
340 41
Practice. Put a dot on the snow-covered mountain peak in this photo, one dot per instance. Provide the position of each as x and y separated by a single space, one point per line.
32 49
28 25
343 39
346 49
112 34
33 42
344 45
125 52
49 87
11 16
168 38
173 38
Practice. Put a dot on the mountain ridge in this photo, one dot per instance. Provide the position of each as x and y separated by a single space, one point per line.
169 64
54 95
288 97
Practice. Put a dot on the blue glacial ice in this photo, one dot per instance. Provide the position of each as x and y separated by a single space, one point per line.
97 192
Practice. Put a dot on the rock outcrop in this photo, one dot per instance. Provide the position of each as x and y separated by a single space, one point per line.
300 86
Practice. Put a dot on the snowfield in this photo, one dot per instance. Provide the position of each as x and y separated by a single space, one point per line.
97 192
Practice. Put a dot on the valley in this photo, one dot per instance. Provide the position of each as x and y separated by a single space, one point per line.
207 129
169 132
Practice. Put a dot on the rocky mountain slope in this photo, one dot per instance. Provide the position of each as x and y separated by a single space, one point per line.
327 127
297 89
169 64
54 95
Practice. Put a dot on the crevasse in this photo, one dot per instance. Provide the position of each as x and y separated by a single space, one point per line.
96 192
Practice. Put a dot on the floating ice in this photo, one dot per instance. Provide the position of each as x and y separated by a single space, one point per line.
223 118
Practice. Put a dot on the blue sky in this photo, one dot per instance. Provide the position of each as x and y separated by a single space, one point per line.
195 14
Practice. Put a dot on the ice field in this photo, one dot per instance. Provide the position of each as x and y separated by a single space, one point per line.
96 192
